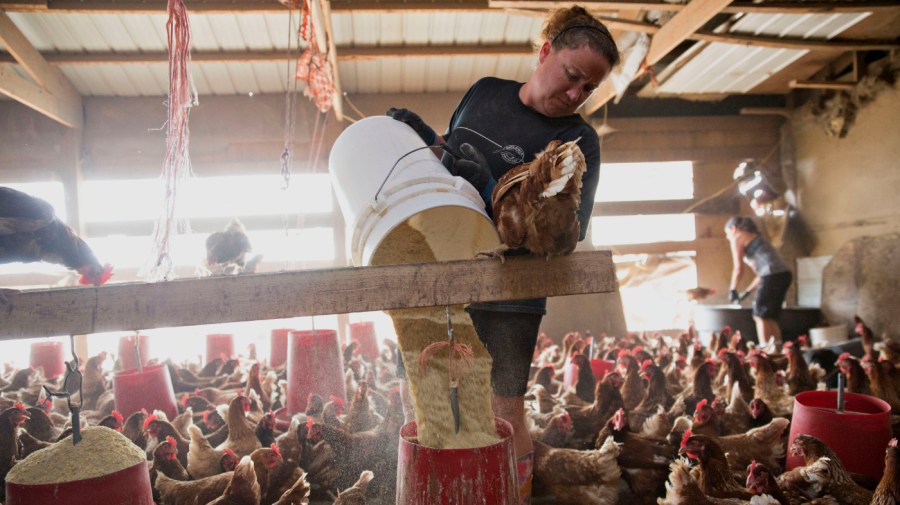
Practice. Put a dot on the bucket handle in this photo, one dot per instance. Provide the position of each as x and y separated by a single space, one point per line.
391 171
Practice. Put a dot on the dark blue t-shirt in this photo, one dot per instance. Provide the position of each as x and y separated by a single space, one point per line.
494 120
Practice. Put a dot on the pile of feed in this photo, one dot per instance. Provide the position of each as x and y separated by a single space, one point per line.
417 328
102 451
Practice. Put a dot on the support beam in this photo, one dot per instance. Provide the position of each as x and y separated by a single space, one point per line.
140 306
674 32
795 84
56 97
737 6
231 6
343 54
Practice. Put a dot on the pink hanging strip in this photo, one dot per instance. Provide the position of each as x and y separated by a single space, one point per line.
177 164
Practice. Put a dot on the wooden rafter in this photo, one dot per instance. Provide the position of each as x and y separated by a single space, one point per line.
737 6
119 307
343 54
674 32
51 93
231 6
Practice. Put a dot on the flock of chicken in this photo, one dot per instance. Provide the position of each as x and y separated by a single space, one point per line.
724 408
678 422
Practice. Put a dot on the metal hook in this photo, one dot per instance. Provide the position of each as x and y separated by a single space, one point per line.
71 385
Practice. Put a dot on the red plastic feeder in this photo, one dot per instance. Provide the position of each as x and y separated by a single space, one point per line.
150 389
316 366
364 334
484 475
127 359
130 486
219 344
278 347
601 367
50 356
867 418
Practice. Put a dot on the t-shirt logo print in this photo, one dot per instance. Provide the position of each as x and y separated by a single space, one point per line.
514 155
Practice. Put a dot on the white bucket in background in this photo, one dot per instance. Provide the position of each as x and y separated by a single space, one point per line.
447 210
829 335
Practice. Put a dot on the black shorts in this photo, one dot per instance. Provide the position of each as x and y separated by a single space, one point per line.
770 295
510 338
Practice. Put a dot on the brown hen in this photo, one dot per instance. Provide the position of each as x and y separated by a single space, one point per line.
535 204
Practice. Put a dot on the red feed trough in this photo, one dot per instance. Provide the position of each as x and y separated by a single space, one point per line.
858 435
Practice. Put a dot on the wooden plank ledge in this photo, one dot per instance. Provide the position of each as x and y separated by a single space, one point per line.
188 302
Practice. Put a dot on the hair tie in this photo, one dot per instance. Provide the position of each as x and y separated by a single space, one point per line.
602 30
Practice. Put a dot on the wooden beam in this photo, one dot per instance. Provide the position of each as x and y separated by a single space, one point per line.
343 54
795 84
30 94
140 306
674 32
231 6
67 108
737 6
796 43
682 26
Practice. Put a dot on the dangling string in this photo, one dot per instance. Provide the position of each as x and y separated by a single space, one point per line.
290 117
177 164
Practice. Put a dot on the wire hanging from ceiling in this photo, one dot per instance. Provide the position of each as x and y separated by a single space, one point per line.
177 163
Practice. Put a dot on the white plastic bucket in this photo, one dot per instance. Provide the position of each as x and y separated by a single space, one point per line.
829 335
447 210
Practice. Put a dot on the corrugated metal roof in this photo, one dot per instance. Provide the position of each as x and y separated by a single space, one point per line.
125 33
732 68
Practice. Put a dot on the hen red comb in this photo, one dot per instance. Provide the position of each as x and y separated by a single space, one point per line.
310 422
336 400
206 416
752 467
19 406
637 349
231 453
685 437
646 364
623 353
702 403
100 280
274 447
150 419
118 416
184 400
171 442
844 356
893 442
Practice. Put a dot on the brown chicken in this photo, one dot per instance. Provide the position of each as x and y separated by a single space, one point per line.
799 377
880 382
356 494
535 204
824 470
767 387
242 489
10 420
165 461
857 381
865 334
205 461
633 387
241 432
656 396
576 477
683 489
888 490
30 231
712 474
587 420
556 431
374 449
297 494
161 431
699 294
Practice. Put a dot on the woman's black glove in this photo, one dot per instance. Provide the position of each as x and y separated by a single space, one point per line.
415 122
734 297
472 166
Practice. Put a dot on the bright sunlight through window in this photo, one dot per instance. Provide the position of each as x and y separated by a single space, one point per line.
205 197
631 182
642 229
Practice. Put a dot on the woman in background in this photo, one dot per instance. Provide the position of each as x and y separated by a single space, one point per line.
773 277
